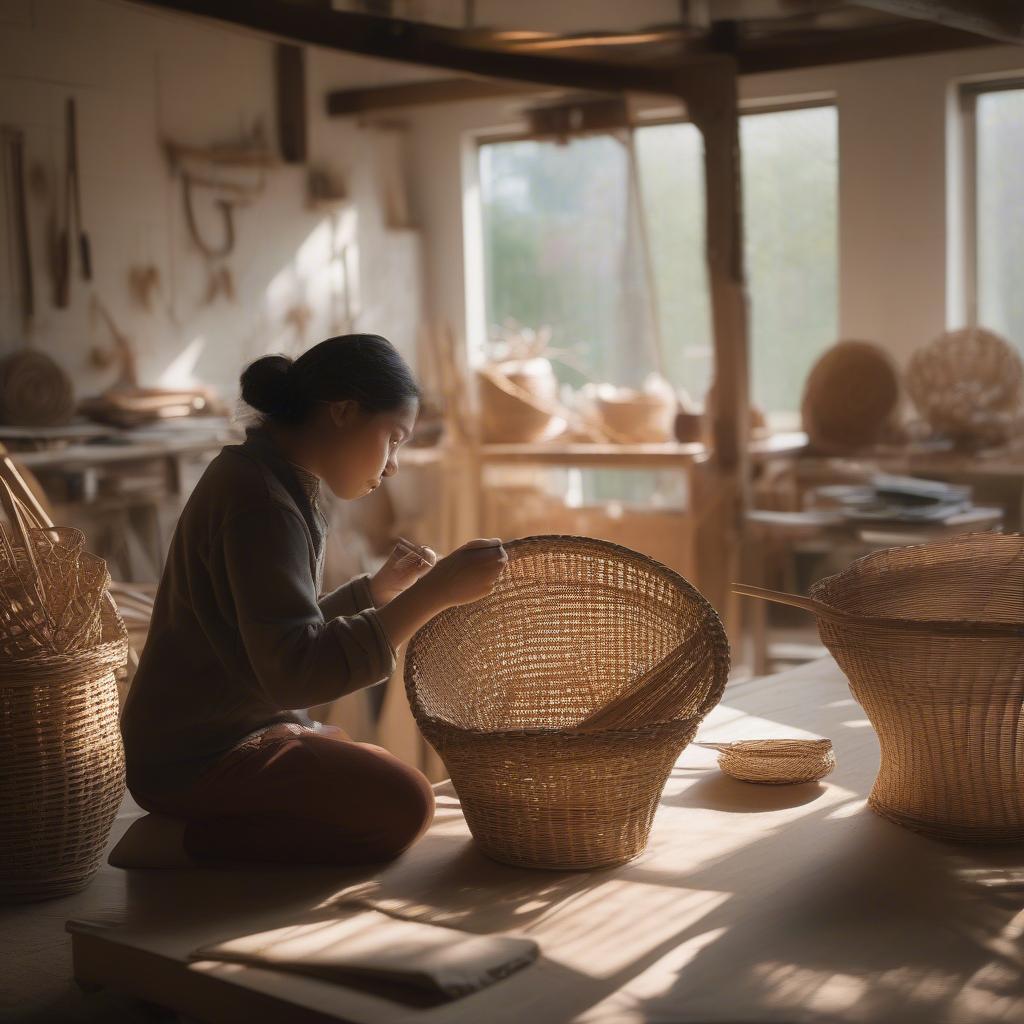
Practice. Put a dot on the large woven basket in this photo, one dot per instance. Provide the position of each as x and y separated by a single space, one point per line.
61 766
945 698
61 761
503 689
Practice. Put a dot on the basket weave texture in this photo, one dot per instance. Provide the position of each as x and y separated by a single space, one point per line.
61 760
967 385
947 709
776 762
500 689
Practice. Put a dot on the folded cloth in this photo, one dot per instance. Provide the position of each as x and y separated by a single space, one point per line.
365 943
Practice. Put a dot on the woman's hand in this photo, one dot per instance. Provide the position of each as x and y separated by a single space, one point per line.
467 574
401 570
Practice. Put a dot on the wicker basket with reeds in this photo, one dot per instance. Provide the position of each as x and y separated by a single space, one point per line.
931 639
61 760
560 702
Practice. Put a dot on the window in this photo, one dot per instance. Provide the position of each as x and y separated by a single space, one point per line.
999 210
554 241
564 246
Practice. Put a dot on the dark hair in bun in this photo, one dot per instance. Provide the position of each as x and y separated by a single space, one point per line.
364 368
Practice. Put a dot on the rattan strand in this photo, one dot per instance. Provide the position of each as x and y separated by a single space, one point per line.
776 762
500 689
51 588
948 711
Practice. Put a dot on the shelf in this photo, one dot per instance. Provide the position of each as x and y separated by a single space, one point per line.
226 156
669 454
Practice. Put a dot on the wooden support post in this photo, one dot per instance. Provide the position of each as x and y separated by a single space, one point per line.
290 66
720 493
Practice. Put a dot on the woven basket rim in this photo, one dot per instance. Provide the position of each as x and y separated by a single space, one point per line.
34 667
714 623
779 744
568 731
819 589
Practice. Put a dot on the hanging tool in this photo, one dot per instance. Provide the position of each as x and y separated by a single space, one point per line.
14 147
84 253
226 207
72 214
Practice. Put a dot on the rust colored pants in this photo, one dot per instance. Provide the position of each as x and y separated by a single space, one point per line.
292 795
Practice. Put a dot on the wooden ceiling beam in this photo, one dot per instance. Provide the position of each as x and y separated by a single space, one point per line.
343 102
410 42
1002 20
897 40
876 43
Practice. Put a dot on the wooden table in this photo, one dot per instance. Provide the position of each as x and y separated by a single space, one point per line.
774 538
995 476
125 488
632 456
752 903
681 534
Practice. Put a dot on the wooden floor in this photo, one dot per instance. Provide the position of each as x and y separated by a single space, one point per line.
36 983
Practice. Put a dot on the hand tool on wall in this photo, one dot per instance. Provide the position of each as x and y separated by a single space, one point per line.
72 214
14 166
84 253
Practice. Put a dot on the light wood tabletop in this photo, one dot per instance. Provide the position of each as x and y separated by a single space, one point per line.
752 903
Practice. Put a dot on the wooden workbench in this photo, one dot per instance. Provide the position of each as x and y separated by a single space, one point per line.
123 488
676 534
755 904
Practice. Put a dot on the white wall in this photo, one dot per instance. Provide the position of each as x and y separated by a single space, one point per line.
893 189
138 76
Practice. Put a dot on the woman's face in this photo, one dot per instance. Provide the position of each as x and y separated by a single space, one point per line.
361 448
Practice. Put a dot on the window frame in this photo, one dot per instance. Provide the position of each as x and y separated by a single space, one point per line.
749 108
967 199
497 135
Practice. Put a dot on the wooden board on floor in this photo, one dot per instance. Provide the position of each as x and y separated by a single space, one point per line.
752 903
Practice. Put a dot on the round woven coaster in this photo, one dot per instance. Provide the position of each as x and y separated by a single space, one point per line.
776 762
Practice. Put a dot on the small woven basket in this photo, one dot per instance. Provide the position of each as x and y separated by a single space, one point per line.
633 417
850 397
776 762
943 690
967 385
61 760
510 692
34 391
514 409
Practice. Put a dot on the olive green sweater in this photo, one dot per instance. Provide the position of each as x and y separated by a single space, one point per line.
239 638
